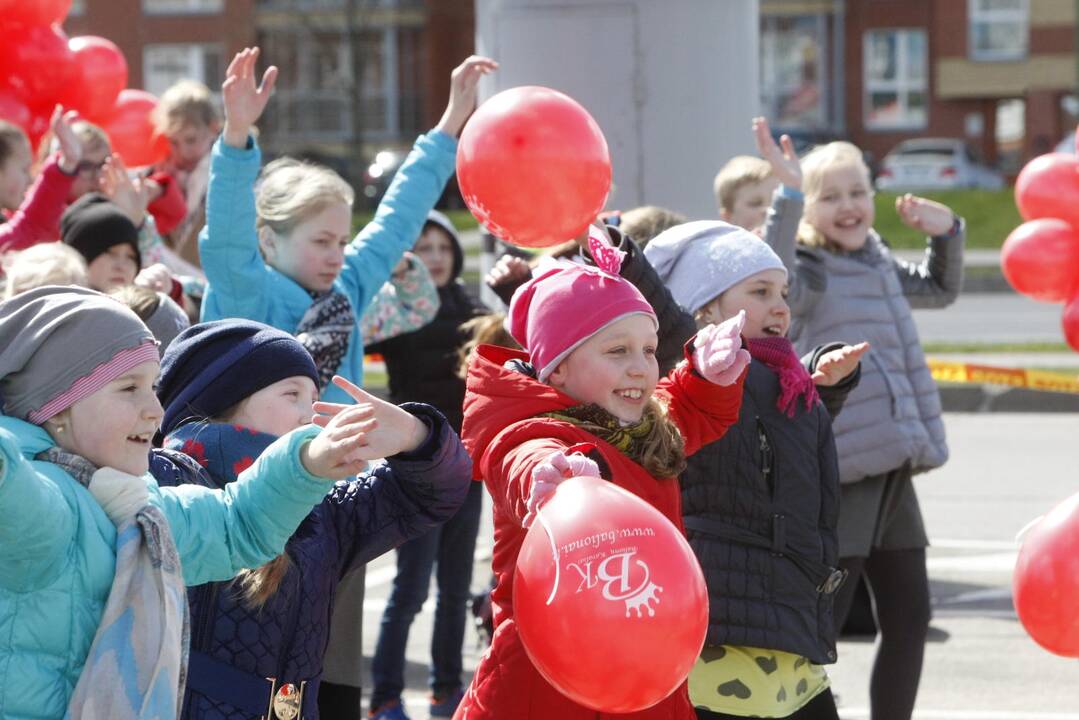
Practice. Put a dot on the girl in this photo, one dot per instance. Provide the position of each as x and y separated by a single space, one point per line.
313 282
273 622
587 378
91 550
772 478
846 284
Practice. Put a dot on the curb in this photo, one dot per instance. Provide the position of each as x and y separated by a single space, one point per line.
994 398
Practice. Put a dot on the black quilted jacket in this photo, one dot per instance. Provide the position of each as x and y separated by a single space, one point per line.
358 521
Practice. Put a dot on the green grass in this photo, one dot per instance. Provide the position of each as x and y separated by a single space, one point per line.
990 216
1030 347
461 219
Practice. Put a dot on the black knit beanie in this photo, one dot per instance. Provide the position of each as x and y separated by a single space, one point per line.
93 224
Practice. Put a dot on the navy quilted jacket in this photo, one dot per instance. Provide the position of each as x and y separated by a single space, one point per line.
358 521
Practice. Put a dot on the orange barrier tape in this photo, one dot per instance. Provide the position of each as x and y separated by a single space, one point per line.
951 372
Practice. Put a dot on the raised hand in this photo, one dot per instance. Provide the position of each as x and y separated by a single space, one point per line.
509 269
837 364
926 216
548 474
130 195
718 354
244 102
464 83
370 429
785 163
155 277
70 145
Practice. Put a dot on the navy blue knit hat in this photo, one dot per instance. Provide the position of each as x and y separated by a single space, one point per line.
214 365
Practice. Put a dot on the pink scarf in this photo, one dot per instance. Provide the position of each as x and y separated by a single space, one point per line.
777 353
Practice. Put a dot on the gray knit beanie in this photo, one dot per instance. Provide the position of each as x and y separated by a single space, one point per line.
63 343
698 261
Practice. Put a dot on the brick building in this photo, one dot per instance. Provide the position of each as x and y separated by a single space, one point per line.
999 73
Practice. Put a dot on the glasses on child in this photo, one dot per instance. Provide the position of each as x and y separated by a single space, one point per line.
89 168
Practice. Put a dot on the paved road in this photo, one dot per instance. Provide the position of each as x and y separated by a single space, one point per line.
991 318
980 665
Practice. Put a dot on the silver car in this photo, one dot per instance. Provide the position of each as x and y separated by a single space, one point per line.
935 164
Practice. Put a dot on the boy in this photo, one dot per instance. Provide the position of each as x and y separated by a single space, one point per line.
743 189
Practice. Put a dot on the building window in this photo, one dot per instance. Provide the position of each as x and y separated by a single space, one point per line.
178 7
896 81
999 29
163 65
794 70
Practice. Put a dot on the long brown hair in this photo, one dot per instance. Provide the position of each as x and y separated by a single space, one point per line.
664 453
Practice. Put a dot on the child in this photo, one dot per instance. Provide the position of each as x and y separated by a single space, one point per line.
423 365
226 414
49 263
846 284
743 189
587 378
106 238
645 222
773 474
313 282
91 549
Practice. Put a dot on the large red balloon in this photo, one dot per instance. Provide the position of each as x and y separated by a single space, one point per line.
533 166
1069 319
102 74
1048 186
34 12
131 130
1045 585
37 61
617 621
1040 259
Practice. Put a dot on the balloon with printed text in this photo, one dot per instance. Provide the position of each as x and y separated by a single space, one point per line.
131 129
1045 584
608 597
1040 259
533 166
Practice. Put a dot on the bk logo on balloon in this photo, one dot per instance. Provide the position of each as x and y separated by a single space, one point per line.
620 577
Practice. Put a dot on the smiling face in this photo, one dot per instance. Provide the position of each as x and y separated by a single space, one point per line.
616 368
278 409
764 298
114 426
313 253
842 209
435 249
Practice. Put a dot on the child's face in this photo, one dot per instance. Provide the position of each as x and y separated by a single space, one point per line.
88 175
114 426
280 408
435 249
751 202
615 368
764 298
843 210
113 268
314 252
15 176
190 144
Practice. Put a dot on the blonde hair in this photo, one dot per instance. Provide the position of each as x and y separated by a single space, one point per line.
740 170
815 164
51 263
290 190
645 222
143 301
186 102
259 585
483 330
91 136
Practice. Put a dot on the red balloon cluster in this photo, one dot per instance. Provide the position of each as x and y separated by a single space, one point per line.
533 166
1045 585
41 67
1040 258
609 600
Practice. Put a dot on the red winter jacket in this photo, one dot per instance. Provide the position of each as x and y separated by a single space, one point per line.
38 218
506 441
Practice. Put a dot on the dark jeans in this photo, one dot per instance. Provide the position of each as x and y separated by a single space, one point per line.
452 546
821 707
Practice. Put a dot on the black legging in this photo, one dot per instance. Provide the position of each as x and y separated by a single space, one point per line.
899 585
822 707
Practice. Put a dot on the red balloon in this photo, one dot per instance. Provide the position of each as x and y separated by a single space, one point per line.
34 12
131 131
616 622
37 61
13 109
1045 585
533 166
1069 319
1048 186
1040 259
102 74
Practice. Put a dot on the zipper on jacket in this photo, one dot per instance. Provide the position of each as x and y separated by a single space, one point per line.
767 457
887 384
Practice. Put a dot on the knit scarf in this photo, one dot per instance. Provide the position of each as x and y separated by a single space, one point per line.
324 330
777 354
224 450
137 665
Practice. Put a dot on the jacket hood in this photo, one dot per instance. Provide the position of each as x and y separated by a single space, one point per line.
497 397
440 221
31 438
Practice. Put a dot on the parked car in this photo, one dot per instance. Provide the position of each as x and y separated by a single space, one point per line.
935 164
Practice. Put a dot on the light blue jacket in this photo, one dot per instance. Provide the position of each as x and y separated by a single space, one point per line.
57 553
242 285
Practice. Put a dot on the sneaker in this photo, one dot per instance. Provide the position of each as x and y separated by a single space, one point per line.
446 705
392 710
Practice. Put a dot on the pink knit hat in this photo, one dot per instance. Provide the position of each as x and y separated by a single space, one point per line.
559 309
